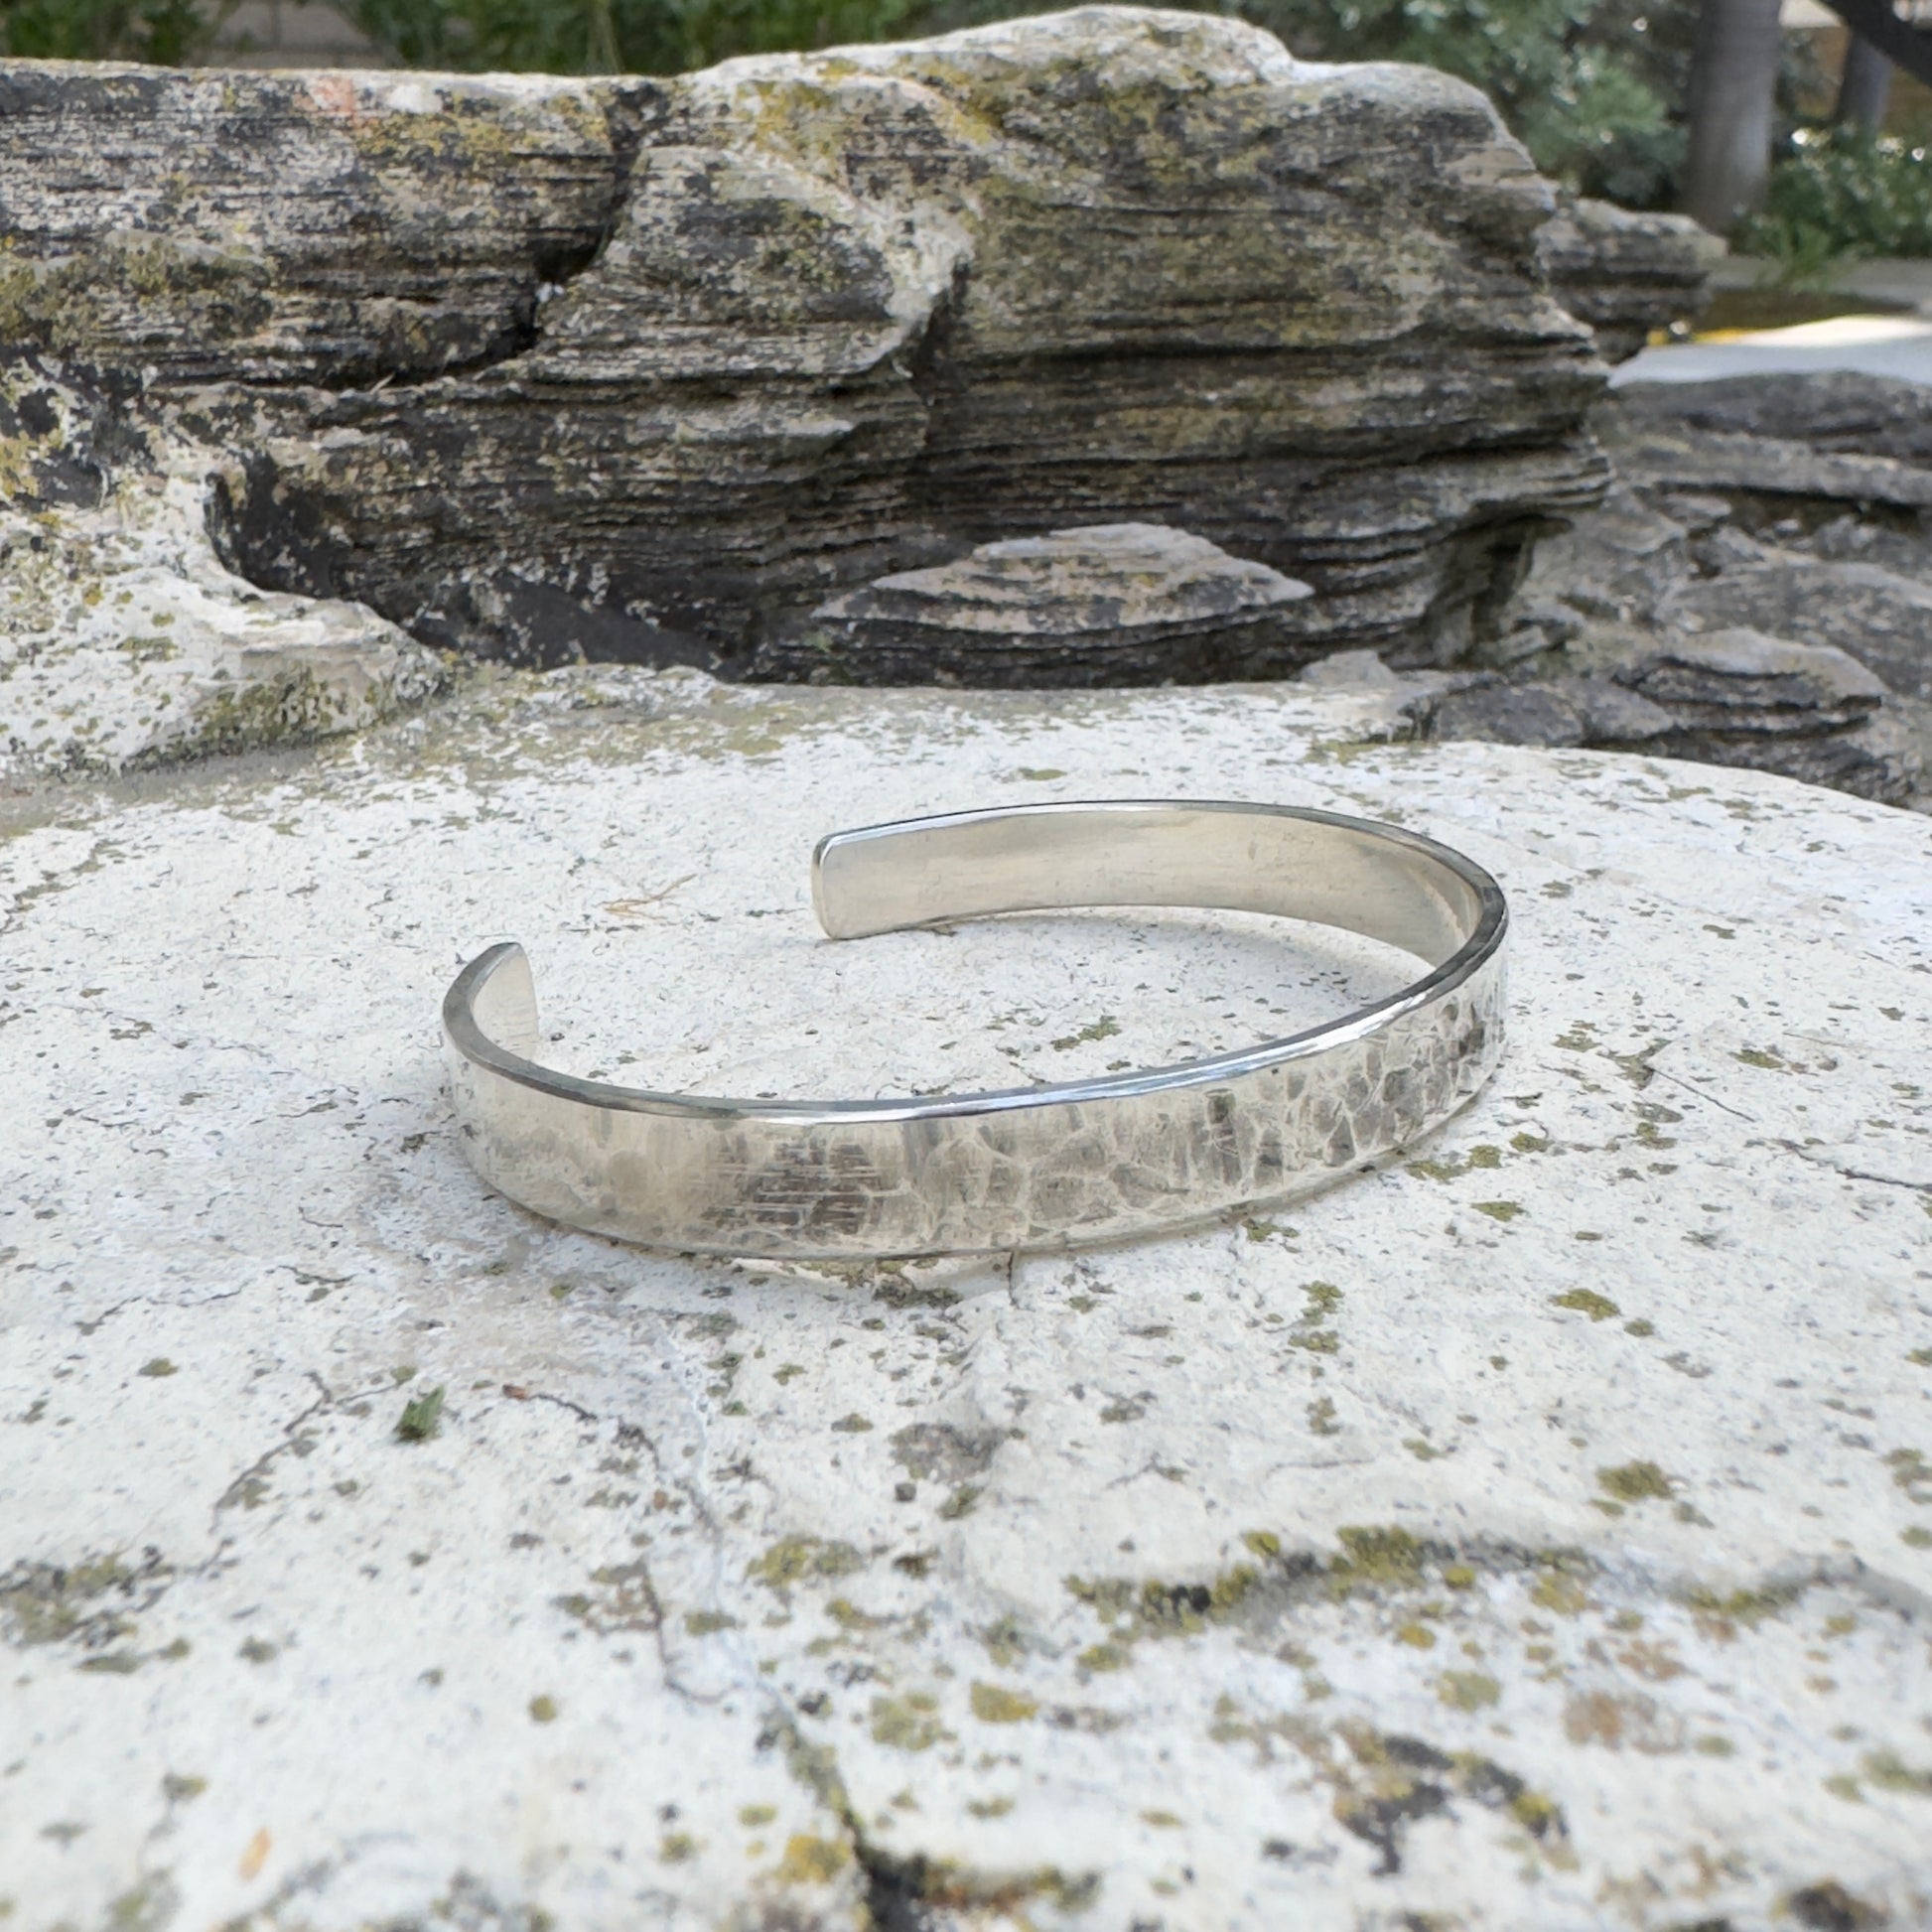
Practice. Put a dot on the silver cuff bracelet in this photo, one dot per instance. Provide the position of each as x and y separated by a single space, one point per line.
1032 1167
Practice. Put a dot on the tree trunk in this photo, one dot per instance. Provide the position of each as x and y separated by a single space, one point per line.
1864 89
1734 75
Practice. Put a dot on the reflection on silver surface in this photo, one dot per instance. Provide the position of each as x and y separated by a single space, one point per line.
1043 1166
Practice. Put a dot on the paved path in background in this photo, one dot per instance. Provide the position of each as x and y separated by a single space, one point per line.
1904 280
1896 346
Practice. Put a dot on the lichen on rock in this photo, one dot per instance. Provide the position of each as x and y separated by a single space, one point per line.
1540 1520
125 639
548 369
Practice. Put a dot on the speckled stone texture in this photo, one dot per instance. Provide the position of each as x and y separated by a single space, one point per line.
1534 1533
125 638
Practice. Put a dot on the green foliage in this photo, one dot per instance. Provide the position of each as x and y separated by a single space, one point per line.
173 33
421 1418
618 35
1842 193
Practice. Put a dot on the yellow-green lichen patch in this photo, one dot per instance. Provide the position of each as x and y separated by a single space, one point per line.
907 1724
1889 1772
1912 1472
1154 1608
1719 1612
1105 1028
1635 1482
1586 1301
1376 1556
92 1602
1482 1158
624 1599
1561 1589
802 1559
1005 1642
994 1704
811 1860
1467 1690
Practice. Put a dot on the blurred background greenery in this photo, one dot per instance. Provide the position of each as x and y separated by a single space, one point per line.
1596 88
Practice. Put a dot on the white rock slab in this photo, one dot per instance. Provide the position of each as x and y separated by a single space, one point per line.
125 639
1534 1534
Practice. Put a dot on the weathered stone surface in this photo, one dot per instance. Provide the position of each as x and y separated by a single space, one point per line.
651 370
1626 273
1733 697
1552 712
1506 714
1743 680
124 638
1835 411
1107 604
1684 457
1537 1534
1874 615
1815 539
332 229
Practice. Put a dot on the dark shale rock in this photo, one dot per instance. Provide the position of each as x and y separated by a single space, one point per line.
1835 411
1680 457
655 370
1626 273
1743 680
1871 613
284 228
1560 710
1731 697
1505 713
1757 518
1610 714
1109 603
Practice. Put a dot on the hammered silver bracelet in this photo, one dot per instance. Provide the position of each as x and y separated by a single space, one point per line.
1029 1167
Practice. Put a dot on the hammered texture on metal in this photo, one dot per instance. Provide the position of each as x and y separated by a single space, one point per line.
1020 1177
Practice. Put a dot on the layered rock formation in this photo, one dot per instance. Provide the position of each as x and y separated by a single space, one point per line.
1761 573
1109 603
667 370
1626 273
